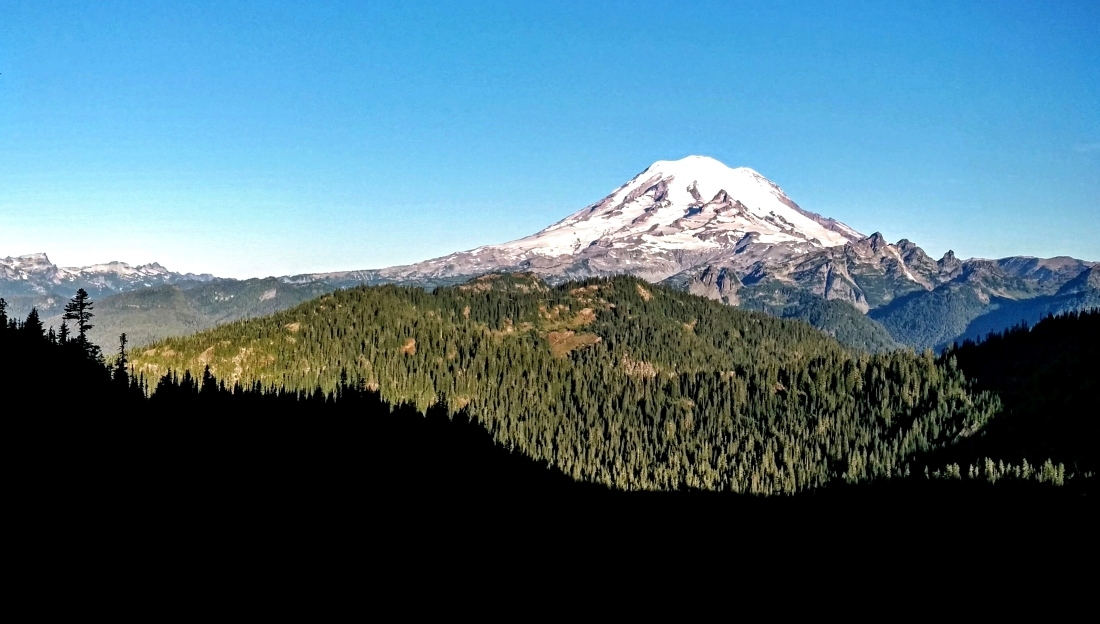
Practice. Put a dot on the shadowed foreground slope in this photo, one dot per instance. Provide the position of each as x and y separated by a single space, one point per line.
199 423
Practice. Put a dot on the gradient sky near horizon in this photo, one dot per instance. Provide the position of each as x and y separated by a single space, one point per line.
265 138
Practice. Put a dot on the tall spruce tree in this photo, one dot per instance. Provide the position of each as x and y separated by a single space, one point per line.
79 309
120 374
33 325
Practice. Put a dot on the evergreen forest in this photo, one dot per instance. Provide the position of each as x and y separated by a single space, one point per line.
636 387
507 392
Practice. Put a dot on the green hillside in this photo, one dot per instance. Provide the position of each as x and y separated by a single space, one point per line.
612 381
839 319
956 312
1046 377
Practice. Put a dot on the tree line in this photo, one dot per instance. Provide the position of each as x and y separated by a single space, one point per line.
620 383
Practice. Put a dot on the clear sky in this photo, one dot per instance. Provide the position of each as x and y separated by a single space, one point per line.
259 138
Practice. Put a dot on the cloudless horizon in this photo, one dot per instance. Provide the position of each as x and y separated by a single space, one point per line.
255 139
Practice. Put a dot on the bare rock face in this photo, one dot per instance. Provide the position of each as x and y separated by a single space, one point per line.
720 284
949 266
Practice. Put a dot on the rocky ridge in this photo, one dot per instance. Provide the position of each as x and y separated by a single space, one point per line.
34 274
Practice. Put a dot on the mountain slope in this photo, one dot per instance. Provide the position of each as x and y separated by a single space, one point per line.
616 381
991 296
673 216
1046 377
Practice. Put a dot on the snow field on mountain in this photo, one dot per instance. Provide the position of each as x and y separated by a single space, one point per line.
680 205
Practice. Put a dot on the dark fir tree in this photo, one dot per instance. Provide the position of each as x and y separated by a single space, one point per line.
120 374
32 327
79 309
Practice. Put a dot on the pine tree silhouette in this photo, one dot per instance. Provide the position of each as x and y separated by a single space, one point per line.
79 309
120 374
32 327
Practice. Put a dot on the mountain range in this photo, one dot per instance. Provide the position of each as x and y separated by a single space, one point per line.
694 224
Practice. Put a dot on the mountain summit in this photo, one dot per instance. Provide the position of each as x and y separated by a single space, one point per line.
675 215
694 205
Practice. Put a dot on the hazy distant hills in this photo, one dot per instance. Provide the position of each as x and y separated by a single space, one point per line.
147 302
149 314
694 224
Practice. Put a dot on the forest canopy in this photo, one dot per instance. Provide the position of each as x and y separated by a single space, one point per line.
619 382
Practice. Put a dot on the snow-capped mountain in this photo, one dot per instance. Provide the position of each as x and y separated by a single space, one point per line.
35 275
673 216
725 233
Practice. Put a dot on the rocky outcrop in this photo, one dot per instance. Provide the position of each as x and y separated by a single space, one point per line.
720 284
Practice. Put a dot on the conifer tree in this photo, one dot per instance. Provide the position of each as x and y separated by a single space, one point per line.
79 309
33 325
120 374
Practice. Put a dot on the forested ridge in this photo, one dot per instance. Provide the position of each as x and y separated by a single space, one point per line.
618 382
1047 379
111 422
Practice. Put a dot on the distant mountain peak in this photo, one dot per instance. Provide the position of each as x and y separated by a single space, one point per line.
692 205
674 215
877 241
35 274
27 259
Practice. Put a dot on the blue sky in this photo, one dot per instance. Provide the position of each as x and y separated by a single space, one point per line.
261 138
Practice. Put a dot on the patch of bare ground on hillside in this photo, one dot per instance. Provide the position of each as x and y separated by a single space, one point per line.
637 368
586 316
588 296
585 291
409 348
562 343
559 317
480 284
205 357
644 294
